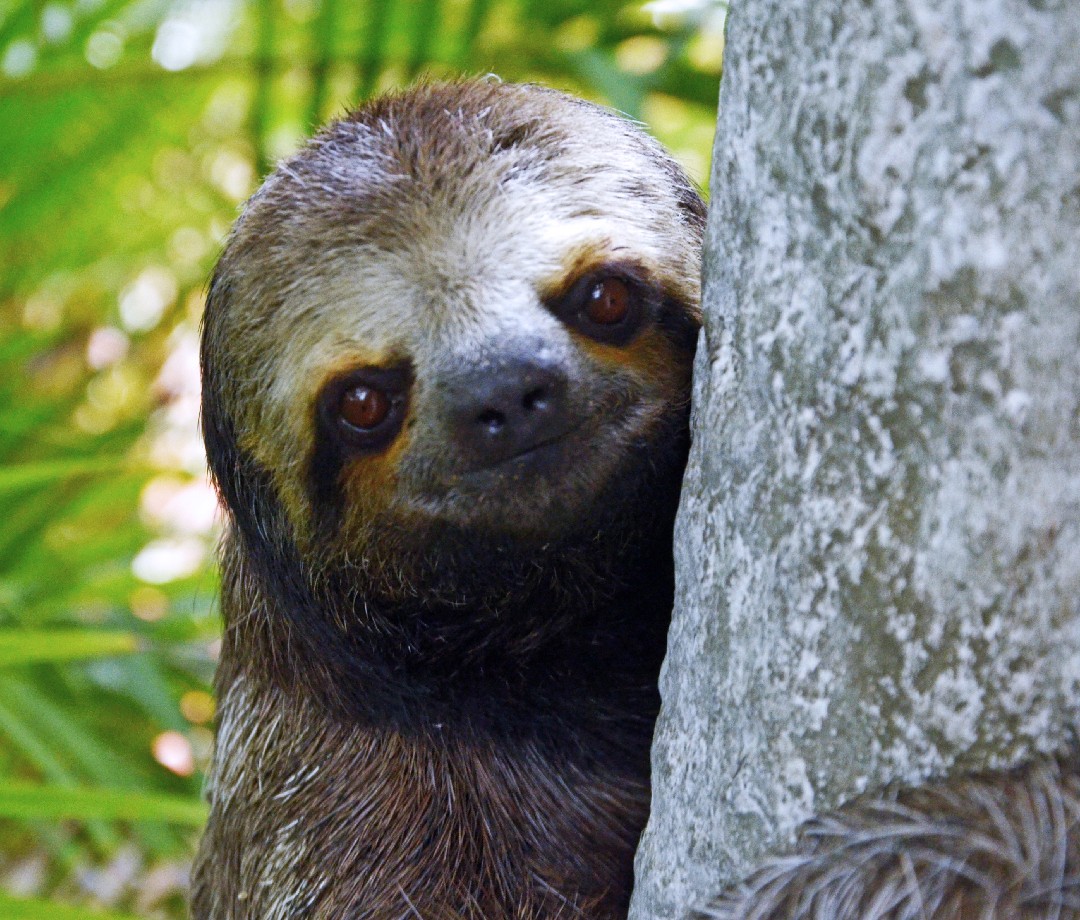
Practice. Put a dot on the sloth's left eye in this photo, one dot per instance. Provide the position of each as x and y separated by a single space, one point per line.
609 305
609 302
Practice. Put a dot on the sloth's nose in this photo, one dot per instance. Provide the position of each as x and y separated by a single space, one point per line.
507 409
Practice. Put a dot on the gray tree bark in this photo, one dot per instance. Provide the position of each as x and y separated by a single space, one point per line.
879 544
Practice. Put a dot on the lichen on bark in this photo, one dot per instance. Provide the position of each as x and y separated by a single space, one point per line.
879 543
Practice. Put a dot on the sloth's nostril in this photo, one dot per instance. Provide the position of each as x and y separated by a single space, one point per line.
492 420
536 400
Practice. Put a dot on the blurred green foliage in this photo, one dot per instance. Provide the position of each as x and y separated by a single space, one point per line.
131 131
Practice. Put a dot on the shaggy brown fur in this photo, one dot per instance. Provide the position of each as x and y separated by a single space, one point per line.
438 679
992 846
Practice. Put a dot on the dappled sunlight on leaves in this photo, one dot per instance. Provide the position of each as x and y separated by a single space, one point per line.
132 133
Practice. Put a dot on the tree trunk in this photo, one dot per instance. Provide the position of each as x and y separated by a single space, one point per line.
878 548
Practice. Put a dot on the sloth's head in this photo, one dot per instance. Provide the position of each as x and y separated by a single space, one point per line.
468 308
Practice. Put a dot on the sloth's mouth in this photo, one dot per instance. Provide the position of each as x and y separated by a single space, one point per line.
539 452
542 487
556 451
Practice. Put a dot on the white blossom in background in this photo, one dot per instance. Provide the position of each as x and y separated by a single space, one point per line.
175 442
105 46
144 301
174 752
105 346
709 14
165 560
20 57
179 506
56 22
194 33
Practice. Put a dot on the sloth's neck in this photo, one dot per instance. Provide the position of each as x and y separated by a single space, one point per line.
505 788
473 762
545 666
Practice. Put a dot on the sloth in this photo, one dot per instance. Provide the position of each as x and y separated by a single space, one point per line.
993 845
446 362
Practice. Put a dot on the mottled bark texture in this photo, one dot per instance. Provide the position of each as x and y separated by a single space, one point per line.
878 548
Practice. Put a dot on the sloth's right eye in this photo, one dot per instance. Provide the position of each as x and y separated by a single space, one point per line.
364 410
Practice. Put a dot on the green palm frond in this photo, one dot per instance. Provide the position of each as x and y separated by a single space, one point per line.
132 131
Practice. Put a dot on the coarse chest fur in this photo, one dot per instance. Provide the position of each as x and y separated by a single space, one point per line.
446 366
343 822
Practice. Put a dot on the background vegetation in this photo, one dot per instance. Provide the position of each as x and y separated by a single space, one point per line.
130 131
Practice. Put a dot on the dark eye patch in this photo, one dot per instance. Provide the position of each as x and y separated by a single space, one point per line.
610 303
358 413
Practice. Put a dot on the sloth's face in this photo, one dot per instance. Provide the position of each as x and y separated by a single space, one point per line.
430 325
503 399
